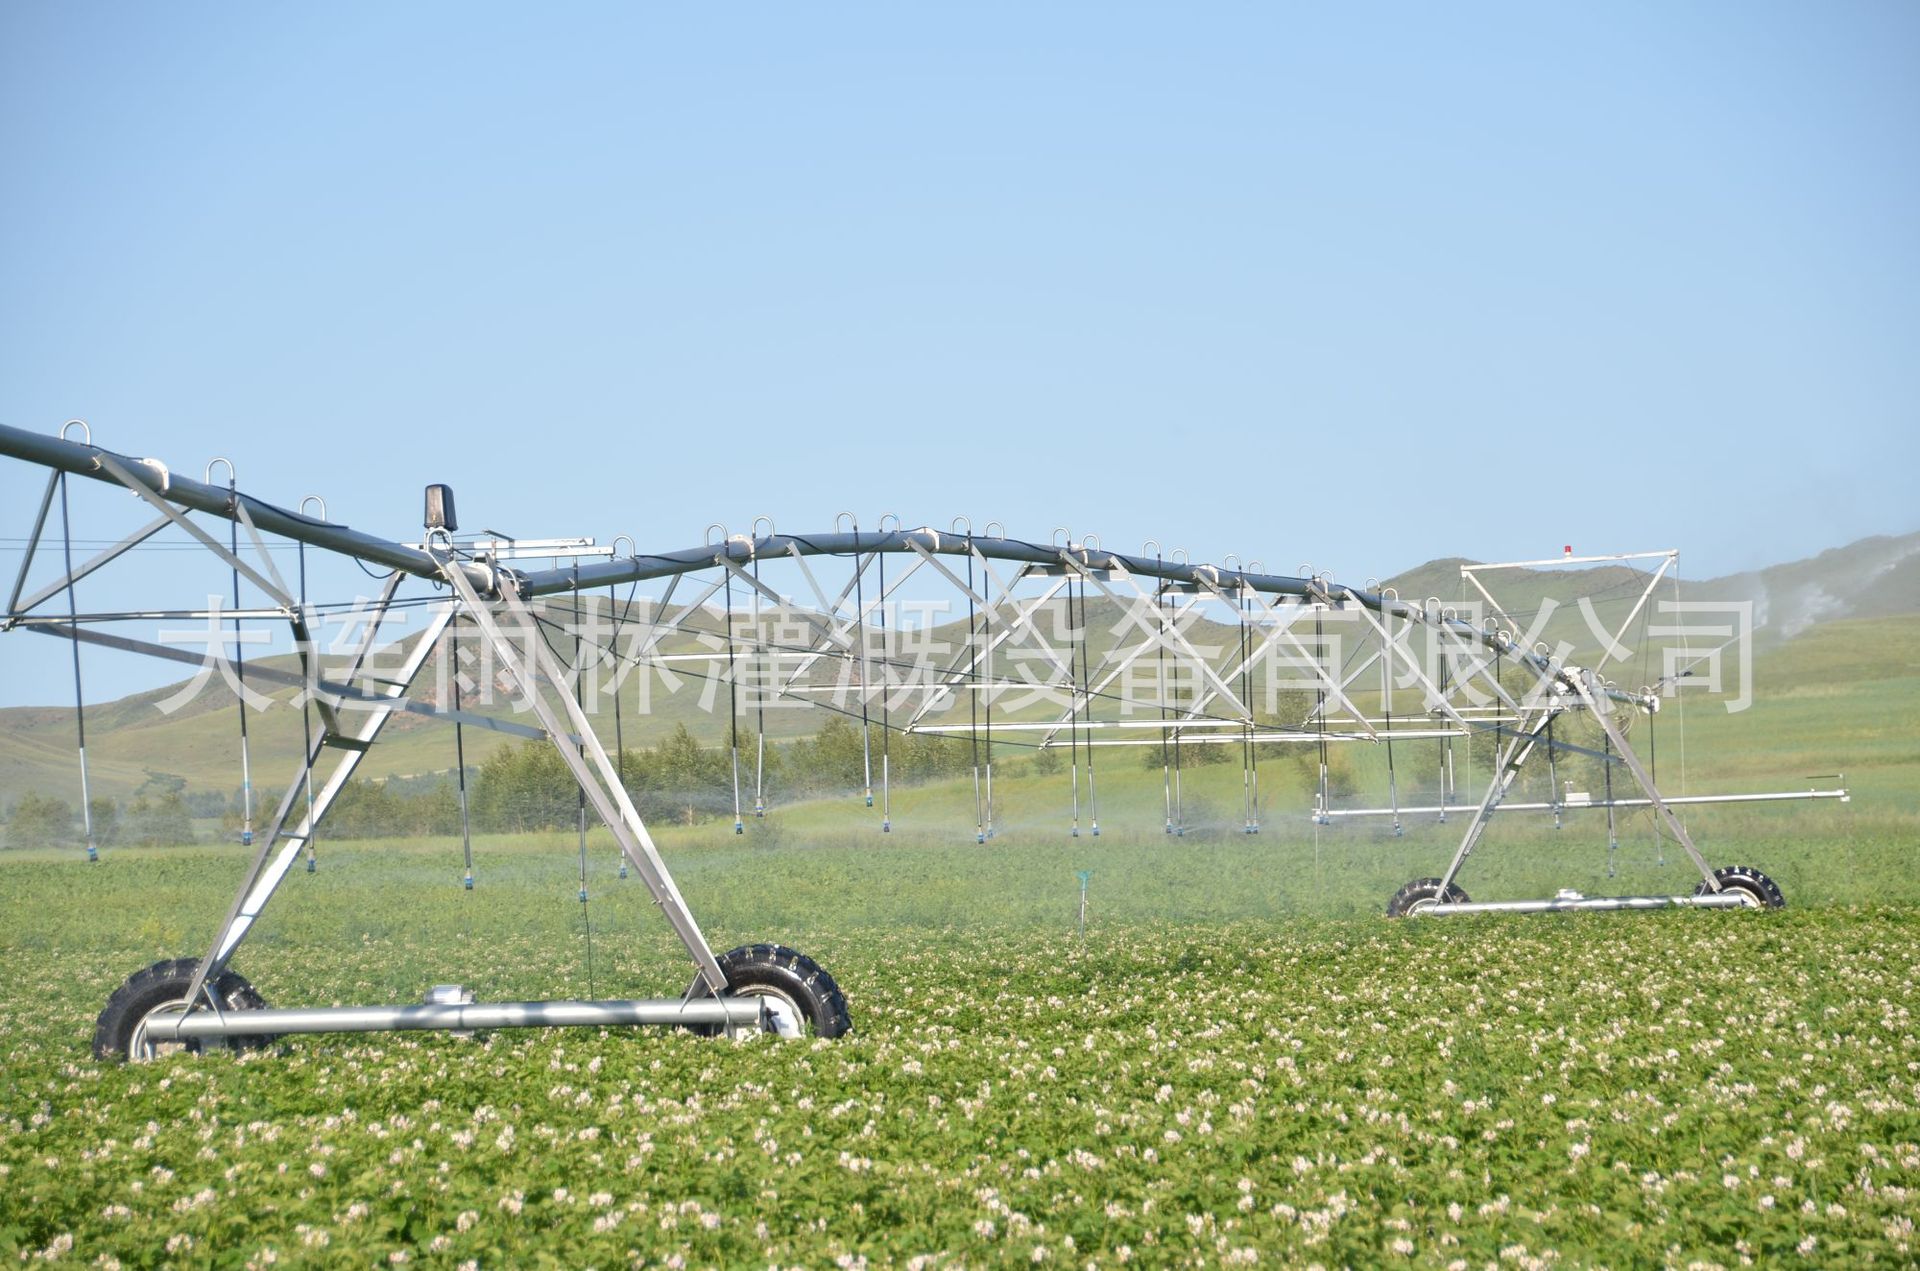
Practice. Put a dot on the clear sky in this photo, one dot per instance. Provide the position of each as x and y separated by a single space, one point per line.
1356 285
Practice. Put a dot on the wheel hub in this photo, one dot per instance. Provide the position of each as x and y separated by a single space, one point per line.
788 1019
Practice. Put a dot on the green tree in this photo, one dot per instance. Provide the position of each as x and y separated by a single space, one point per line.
833 760
366 809
40 820
689 781
162 822
522 788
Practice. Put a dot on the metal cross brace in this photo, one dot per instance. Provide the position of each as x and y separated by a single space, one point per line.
263 876
590 765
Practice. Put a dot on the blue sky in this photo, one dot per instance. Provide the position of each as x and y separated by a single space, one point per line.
1356 285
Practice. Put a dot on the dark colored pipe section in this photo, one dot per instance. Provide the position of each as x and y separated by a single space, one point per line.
67 456
83 461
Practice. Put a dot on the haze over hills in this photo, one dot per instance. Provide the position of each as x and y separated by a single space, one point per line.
1877 577
130 739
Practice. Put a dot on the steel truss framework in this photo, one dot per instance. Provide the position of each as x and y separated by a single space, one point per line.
1179 655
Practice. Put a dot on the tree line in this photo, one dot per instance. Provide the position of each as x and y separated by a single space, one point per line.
518 789
529 787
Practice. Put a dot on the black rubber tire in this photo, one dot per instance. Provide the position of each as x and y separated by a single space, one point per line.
789 976
117 1034
1409 898
1761 891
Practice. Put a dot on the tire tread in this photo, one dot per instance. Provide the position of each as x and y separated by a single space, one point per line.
146 988
777 966
1749 880
1423 889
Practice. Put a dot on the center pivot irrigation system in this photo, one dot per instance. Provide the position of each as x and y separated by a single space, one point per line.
1177 658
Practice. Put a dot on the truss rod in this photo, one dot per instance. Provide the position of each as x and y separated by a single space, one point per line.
91 461
161 487
322 689
269 868
592 769
17 610
33 544
1781 796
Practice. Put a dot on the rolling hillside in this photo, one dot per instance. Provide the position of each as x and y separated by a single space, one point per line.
1804 609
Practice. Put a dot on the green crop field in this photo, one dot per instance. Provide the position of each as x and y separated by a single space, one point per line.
1210 1075
1239 1060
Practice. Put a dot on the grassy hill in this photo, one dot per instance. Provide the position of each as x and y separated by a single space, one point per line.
1816 680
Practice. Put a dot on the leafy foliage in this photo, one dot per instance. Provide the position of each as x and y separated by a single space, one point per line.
40 820
1642 1090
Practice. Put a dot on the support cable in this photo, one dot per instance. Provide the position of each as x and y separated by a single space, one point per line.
306 715
1686 651
1613 834
586 918
886 707
1248 779
459 755
986 630
866 676
760 700
1073 714
240 668
1086 681
618 615
1166 757
1179 734
1653 768
1446 743
79 696
1386 714
1320 714
733 711
973 701
1553 774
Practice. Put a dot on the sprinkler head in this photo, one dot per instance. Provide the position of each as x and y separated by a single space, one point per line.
979 838
93 854
869 800
623 867
886 827
1096 829
467 882
246 838
312 865
739 827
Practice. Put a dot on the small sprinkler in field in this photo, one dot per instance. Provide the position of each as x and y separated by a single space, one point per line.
1083 875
